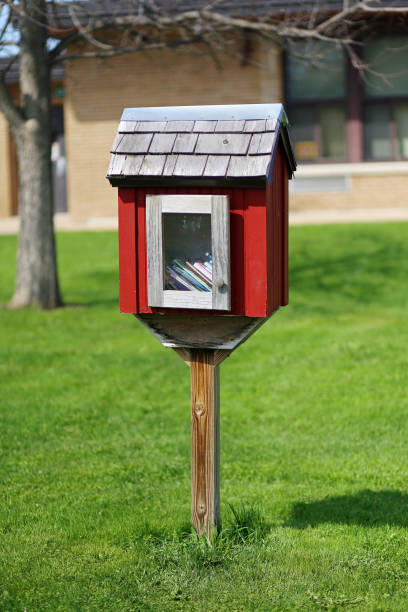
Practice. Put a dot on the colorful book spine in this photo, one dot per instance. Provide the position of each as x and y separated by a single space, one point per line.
182 269
207 273
193 268
187 276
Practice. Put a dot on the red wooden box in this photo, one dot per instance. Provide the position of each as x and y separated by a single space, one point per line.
242 152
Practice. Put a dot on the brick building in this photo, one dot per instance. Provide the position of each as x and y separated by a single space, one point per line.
350 135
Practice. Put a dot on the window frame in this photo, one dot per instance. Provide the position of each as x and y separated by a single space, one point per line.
218 207
355 103
316 104
390 103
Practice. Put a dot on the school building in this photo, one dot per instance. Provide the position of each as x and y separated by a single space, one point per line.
350 134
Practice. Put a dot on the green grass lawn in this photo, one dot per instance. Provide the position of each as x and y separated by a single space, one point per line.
94 431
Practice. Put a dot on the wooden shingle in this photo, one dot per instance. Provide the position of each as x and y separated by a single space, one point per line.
257 125
261 143
131 165
116 142
162 143
267 142
255 165
230 126
179 126
270 125
152 165
190 165
169 166
134 143
204 126
116 164
151 126
127 127
185 143
223 144
217 165
254 144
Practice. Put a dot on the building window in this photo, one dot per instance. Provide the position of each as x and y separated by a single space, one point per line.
327 101
385 104
316 93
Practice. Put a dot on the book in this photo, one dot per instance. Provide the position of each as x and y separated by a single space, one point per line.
189 275
193 268
204 271
183 275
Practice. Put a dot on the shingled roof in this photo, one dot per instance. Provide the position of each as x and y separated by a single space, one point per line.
207 142
60 14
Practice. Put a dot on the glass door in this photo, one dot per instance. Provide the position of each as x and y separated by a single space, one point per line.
188 251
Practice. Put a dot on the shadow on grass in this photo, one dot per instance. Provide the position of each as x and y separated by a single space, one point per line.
350 263
370 508
87 304
97 287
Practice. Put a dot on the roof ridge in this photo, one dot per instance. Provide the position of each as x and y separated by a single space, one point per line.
212 112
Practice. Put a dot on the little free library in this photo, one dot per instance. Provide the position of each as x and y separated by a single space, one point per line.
203 246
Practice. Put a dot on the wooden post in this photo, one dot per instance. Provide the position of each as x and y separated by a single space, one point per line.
205 441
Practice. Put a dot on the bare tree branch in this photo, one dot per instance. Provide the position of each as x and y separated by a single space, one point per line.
282 30
115 51
84 32
326 25
91 22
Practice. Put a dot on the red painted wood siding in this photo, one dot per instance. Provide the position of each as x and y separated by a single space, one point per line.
285 235
257 246
277 229
127 251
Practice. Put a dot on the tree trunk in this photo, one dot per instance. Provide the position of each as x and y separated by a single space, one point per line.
36 277
36 274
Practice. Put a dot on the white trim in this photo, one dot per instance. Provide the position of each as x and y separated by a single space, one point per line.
361 169
186 203
353 215
187 299
220 247
320 184
154 243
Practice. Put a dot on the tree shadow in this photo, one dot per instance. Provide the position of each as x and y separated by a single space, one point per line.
355 276
353 264
85 304
88 289
368 508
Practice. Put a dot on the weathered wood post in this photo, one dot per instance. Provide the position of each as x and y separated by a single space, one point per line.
205 442
203 247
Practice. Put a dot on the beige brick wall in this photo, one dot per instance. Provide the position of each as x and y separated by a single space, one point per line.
5 183
97 92
385 191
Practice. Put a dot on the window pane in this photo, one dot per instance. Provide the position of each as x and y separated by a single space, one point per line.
332 122
401 123
387 56
377 137
187 251
315 71
303 132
